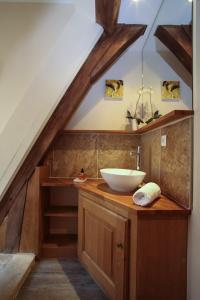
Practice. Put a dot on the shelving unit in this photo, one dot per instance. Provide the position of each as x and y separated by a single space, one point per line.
172 116
59 218
59 211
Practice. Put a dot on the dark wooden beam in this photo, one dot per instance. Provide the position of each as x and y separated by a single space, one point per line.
188 30
122 38
107 12
178 39
31 232
14 223
103 55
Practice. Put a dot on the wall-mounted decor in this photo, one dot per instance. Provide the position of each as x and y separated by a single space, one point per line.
170 90
114 89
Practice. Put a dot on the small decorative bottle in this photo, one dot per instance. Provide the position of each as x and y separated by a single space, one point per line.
82 175
134 124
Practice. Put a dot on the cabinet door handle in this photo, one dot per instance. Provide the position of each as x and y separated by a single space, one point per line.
120 245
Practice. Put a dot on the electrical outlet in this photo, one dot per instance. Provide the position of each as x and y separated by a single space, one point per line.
163 140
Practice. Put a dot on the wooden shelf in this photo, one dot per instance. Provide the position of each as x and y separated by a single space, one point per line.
57 240
54 182
60 245
60 218
170 117
88 131
62 211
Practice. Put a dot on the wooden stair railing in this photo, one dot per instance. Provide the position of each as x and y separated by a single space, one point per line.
106 51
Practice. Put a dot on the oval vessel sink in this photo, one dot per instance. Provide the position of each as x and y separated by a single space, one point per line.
122 180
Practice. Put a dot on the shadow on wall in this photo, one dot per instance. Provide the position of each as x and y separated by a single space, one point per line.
156 69
174 63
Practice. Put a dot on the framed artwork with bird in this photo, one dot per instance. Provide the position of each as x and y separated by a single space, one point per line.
170 90
114 89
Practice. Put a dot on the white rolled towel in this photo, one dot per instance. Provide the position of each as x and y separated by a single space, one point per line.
146 194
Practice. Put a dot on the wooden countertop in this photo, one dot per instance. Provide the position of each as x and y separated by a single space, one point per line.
124 200
56 182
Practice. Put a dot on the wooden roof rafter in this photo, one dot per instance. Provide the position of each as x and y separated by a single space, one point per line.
107 12
178 39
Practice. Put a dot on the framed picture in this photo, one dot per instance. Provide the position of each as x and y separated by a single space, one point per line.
170 90
114 89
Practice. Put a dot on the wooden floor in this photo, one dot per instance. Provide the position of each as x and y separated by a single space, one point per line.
55 279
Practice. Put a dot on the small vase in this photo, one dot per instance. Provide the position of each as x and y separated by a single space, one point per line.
134 124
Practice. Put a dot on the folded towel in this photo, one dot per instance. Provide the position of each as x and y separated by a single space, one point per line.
147 194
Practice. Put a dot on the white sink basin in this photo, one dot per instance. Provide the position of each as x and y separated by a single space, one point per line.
122 180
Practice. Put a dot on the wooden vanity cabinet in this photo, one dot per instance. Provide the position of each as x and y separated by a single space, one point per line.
103 246
133 253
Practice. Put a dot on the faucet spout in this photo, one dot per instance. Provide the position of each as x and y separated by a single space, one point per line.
138 154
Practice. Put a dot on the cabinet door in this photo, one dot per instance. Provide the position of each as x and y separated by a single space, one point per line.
103 247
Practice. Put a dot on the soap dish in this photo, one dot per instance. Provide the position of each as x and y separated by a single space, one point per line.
78 180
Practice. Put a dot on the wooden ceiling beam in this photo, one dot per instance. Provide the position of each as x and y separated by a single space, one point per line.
122 38
188 30
178 39
106 51
107 12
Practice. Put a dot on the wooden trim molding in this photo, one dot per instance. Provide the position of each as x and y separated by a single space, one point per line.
103 55
107 14
172 116
178 39
97 131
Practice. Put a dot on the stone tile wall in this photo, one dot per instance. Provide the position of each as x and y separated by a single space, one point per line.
170 166
91 151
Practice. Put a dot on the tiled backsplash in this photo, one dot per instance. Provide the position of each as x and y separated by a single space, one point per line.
92 151
170 166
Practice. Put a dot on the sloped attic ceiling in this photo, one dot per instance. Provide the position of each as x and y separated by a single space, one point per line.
107 50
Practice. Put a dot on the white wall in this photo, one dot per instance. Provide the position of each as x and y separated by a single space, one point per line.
97 113
157 70
25 44
194 225
42 48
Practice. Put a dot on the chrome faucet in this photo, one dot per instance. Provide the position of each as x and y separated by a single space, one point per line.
138 153
138 156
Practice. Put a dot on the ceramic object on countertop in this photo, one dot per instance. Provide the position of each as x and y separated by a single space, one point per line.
122 180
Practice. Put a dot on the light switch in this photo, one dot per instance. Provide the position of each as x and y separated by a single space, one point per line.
163 140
